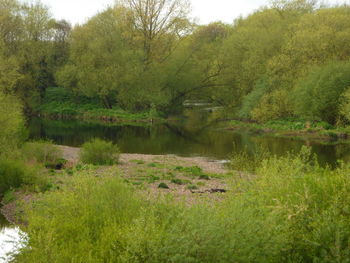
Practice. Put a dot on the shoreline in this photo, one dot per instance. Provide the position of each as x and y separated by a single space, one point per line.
321 135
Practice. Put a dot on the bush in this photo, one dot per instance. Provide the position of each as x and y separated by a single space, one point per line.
44 152
15 174
99 152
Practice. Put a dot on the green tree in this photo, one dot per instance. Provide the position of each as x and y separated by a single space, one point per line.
12 123
319 97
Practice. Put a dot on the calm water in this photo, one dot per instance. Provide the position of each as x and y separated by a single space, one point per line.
193 135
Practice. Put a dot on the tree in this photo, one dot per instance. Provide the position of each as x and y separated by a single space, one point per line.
320 96
160 23
99 62
12 123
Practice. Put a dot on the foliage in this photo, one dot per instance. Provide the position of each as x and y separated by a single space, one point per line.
99 152
345 105
28 60
292 211
44 152
273 106
251 100
320 96
15 174
12 124
60 103
149 57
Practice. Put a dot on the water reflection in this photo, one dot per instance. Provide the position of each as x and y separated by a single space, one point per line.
195 135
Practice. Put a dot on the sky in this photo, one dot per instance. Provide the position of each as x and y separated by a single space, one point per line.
205 11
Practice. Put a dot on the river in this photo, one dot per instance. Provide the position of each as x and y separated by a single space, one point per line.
193 135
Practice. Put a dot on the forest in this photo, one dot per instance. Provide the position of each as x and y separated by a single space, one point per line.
287 60
287 64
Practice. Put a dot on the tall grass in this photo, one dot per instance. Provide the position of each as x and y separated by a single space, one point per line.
292 211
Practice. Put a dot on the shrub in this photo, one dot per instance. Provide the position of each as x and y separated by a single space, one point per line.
44 152
15 173
99 152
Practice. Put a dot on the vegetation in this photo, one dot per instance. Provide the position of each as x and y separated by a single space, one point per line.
12 131
284 67
150 57
99 152
292 211
15 174
60 103
44 152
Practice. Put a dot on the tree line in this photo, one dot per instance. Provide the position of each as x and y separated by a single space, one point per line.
288 59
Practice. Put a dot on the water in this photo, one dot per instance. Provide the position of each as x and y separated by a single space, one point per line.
193 135
10 240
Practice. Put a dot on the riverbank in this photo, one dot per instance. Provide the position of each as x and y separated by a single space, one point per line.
189 178
317 131
61 104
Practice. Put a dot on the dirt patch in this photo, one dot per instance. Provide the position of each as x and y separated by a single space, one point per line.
190 178
14 211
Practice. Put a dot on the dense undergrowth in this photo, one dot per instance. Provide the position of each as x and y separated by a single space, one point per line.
60 103
27 168
292 211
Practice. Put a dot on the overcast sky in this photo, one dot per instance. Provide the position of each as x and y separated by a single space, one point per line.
206 11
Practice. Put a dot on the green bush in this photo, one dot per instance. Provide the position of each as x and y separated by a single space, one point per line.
15 174
44 152
99 152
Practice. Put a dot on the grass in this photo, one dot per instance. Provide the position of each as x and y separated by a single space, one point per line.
291 211
60 103
295 128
